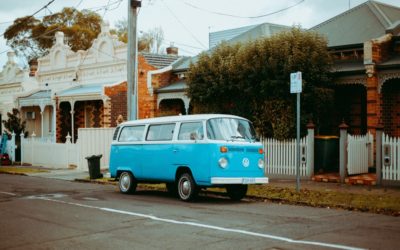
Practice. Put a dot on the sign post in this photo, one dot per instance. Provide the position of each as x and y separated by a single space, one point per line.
296 88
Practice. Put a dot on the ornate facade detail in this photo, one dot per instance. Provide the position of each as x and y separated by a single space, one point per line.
383 77
358 80
177 95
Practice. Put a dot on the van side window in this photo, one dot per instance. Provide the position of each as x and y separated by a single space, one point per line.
131 133
163 132
191 131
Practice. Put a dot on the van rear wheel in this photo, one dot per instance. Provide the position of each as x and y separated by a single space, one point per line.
236 192
127 183
187 189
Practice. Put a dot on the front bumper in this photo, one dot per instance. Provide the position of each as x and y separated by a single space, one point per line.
239 180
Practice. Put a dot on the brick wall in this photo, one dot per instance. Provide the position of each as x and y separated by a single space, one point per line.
117 105
391 107
63 117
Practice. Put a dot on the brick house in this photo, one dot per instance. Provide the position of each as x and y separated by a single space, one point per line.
364 42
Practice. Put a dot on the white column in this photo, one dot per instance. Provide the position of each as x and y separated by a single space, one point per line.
22 141
72 120
42 107
54 128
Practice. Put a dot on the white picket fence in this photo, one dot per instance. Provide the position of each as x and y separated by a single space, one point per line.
91 141
360 153
391 158
49 154
280 157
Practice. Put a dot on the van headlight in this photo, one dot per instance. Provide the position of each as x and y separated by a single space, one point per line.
260 163
223 162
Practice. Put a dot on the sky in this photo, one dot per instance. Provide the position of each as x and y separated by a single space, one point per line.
187 23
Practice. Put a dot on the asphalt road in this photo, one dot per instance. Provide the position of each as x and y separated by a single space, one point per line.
39 213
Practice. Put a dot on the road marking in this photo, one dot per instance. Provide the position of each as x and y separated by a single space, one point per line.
7 193
194 224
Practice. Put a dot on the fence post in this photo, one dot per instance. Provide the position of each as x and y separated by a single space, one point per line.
343 151
379 131
32 151
22 138
13 147
68 143
310 148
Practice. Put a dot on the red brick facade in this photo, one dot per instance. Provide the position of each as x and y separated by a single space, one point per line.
373 98
118 102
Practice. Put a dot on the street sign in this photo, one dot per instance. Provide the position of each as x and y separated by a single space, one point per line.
295 82
296 88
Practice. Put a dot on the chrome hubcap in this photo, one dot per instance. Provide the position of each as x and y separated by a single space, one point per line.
185 187
125 182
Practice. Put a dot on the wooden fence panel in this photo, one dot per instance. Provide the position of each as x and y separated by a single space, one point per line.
280 157
360 153
391 158
94 141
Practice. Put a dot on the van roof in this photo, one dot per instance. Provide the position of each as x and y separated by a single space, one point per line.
179 118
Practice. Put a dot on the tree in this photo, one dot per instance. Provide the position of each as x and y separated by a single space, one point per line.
14 123
149 41
253 80
32 38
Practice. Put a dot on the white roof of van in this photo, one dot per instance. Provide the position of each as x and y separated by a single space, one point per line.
179 118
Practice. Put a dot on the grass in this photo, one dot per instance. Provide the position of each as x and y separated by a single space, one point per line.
20 170
382 203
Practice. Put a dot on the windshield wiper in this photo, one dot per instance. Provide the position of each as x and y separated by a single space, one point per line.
237 137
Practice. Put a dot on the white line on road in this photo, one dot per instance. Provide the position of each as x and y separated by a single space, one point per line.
152 217
7 193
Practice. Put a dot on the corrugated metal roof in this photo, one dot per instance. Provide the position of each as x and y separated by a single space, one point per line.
259 31
82 90
184 64
348 66
41 94
359 24
159 60
244 34
174 87
226 35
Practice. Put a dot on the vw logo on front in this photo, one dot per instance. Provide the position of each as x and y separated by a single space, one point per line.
245 162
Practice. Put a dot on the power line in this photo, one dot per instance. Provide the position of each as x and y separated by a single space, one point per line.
183 25
44 7
182 44
246 17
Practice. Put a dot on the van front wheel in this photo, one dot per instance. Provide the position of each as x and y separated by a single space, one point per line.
186 187
127 183
236 192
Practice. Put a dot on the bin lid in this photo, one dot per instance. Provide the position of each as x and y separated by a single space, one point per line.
93 157
326 137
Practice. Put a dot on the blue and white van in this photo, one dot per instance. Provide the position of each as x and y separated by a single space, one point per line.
188 153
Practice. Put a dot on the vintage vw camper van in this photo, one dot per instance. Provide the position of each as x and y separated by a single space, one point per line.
188 153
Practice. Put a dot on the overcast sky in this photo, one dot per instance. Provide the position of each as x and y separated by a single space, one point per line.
187 23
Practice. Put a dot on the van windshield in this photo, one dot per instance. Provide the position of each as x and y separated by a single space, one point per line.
230 129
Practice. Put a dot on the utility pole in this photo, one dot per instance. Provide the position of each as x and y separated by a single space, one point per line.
132 108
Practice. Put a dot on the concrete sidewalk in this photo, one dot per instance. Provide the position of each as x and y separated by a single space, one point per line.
62 174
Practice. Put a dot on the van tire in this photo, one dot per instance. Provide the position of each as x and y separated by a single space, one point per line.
236 192
127 183
186 186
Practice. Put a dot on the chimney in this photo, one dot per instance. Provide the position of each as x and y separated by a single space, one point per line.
11 56
33 65
172 50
